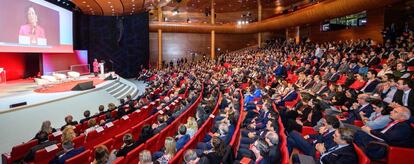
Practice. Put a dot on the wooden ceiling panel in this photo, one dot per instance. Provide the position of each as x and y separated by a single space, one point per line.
111 7
133 6
89 7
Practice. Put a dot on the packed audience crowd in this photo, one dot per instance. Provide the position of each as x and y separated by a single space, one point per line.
331 98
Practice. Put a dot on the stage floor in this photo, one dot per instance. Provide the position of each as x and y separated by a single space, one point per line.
18 91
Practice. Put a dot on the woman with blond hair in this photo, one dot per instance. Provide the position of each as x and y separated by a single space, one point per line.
68 134
46 127
192 126
169 151
145 157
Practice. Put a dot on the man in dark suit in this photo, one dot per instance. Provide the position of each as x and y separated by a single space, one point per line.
43 142
371 83
344 152
374 60
335 75
410 61
68 152
160 124
363 108
129 144
274 152
324 136
182 137
396 133
404 95
87 115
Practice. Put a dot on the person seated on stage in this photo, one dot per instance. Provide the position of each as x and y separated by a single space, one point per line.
182 138
46 127
92 125
168 152
69 121
101 155
343 152
145 157
68 152
325 136
396 133
43 142
190 157
129 144
87 115
68 134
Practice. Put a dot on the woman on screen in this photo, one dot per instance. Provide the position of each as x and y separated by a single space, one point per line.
32 32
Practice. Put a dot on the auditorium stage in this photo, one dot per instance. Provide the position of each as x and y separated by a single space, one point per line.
20 91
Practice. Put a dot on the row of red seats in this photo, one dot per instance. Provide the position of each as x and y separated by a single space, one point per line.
19 151
199 136
156 142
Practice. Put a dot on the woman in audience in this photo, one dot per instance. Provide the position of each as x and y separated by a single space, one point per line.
385 70
169 151
46 127
101 155
192 126
145 157
68 134
378 119
216 154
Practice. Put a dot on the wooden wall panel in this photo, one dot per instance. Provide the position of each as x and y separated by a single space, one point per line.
179 45
373 28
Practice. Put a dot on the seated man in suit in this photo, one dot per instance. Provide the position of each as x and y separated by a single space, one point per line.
335 75
290 95
160 125
68 152
325 136
43 142
182 137
363 108
272 140
404 96
372 82
396 133
87 115
343 152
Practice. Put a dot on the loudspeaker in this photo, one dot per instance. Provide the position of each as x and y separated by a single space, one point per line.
83 86
18 104
110 77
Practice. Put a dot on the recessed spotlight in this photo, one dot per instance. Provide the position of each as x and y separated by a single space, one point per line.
109 1
88 6
111 6
133 4
84 2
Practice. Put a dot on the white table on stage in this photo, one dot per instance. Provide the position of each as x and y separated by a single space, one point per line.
2 76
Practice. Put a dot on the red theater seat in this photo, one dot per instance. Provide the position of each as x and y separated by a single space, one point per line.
358 123
82 158
42 156
132 156
119 160
19 151
362 158
154 144
79 140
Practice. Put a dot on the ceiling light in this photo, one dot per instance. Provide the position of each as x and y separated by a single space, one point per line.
111 6
88 6
133 4
84 2
109 1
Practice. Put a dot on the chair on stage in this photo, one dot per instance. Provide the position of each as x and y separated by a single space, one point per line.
49 78
74 75
60 76
42 83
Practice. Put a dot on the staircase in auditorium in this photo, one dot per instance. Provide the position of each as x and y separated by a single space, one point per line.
120 89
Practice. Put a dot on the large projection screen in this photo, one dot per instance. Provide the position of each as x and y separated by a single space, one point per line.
35 26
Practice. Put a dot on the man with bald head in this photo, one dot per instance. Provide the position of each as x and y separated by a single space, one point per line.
397 133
